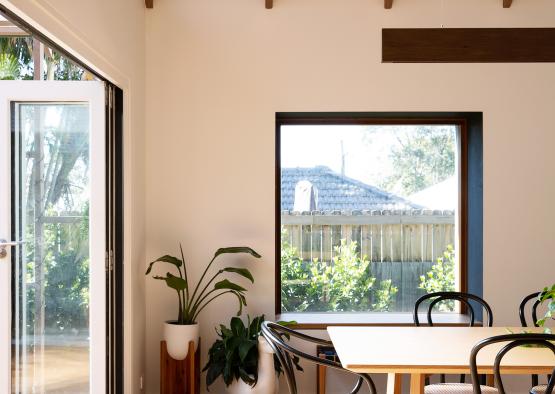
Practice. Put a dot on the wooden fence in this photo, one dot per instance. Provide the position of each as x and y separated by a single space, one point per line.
383 236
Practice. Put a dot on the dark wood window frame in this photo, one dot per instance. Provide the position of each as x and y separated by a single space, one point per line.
467 122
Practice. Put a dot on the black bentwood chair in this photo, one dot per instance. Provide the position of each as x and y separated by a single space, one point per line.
535 297
514 340
533 309
463 298
275 334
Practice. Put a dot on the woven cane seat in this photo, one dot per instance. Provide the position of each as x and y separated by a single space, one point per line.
456 388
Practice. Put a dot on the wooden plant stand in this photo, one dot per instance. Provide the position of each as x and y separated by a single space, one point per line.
180 377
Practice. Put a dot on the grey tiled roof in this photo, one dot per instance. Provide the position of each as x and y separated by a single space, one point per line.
336 192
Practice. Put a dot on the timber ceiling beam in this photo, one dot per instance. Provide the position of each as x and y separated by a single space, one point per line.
149 3
475 45
269 4
507 3
387 4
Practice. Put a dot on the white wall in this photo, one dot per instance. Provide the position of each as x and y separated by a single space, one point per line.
109 35
219 70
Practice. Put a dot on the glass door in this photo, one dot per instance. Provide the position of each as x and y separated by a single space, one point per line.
52 237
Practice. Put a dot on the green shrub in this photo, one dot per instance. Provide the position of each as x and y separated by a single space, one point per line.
344 284
441 278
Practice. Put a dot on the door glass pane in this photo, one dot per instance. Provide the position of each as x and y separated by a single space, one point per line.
50 183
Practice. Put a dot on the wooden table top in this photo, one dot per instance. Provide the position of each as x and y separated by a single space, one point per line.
431 350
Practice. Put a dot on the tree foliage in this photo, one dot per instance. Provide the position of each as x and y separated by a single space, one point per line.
9 67
422 157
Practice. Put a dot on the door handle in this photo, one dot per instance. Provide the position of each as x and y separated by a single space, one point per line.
4 244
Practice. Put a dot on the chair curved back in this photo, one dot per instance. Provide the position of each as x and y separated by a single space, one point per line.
276 334
534 308
463 298
514 340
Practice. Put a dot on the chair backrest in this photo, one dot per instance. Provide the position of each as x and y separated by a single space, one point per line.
276 335
463 298
513 340
534 308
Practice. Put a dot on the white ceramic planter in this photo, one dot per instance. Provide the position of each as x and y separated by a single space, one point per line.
178 336
267 379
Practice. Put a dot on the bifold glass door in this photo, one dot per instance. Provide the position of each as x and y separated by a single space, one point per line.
52 237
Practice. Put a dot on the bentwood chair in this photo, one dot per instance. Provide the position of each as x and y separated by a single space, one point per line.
276 336
463 298
531 302
513 340
533 309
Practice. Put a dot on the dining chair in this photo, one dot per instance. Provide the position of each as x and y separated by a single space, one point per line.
278 337
535 297
463 298
513 340
533 309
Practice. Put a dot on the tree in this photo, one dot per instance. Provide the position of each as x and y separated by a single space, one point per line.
9 67
420 157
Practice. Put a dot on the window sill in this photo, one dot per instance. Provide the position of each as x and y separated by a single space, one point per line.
322 320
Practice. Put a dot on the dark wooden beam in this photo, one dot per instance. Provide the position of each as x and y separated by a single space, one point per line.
387 4
490 45
269 4
507 3
149 3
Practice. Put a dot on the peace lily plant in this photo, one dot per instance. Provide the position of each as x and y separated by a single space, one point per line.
192 301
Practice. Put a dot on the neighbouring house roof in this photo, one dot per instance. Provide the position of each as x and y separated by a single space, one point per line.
443 195
337 192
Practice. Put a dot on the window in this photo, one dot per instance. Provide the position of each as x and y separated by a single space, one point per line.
372 210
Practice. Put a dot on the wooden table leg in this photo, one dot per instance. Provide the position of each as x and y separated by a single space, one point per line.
321 379
394 383
417 383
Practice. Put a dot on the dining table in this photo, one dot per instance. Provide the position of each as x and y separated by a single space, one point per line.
422 351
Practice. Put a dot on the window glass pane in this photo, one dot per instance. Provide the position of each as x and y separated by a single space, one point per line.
50 325
367 216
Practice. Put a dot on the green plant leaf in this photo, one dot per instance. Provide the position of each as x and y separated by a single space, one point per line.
9 67
227 285
245 347
241 271
165 259
173 281
237 249
237 326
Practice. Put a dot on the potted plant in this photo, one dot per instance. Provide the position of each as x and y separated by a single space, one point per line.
547 294
178 333
243 358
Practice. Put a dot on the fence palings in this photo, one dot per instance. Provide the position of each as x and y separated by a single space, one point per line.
383 236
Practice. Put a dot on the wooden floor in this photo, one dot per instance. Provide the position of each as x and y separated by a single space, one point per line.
66 370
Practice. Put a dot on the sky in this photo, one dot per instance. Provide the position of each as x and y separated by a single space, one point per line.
366 157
